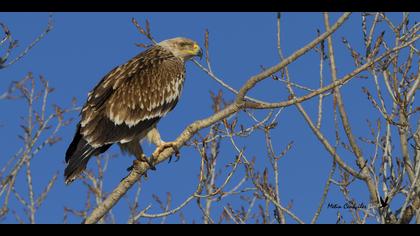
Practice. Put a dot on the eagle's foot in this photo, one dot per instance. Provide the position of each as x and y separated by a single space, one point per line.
149 162
164 146
138 161
136 164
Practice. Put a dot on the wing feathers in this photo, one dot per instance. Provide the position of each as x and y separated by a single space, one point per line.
145 88
126 104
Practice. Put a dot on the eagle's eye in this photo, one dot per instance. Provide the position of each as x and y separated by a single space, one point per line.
184 44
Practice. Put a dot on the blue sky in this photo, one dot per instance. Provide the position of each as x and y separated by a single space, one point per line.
83 47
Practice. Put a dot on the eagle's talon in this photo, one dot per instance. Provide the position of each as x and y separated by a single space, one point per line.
152 166
177 153
177 157
150 163
138 161
136 164
164 146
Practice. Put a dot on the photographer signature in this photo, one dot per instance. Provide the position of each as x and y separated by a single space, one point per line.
347 205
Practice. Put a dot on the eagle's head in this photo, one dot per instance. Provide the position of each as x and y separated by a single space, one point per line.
183 48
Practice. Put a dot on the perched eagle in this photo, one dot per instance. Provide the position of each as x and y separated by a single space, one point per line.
129 101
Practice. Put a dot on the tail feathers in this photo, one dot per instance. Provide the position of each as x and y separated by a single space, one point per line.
78 161
78 155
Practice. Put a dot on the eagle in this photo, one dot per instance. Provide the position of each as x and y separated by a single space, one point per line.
127 104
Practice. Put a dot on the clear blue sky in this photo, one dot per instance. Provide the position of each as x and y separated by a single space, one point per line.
82 47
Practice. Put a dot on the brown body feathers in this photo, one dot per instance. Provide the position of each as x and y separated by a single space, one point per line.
128 102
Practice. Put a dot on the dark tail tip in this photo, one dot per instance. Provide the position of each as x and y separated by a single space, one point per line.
73 171
77 163
78 155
